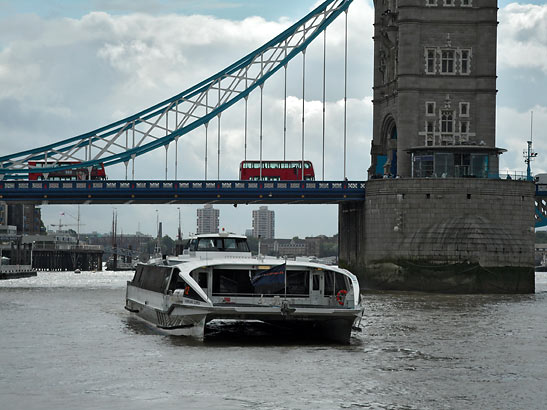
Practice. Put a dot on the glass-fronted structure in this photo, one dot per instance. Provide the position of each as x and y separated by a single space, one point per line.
454 162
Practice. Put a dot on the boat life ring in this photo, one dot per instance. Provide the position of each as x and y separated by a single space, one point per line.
341 296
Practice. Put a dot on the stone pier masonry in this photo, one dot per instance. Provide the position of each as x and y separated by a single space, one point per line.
448 235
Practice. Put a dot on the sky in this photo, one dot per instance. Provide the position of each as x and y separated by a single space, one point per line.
70 66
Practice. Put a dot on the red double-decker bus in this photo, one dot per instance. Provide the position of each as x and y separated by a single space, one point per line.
276 171
97 172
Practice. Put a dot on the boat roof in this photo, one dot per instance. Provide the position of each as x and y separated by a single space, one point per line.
267 263
218 235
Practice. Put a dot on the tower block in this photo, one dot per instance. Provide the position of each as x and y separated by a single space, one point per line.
437 217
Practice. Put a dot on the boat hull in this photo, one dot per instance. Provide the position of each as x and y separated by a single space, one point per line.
189 319
180 296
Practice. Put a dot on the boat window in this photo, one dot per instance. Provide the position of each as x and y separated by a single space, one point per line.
298 282
238 282
230 244
189 292
232 282
222 244
154 278
202 280
334 282
193 244
316 282
242 245
137 277
179 284
340 282
209 244
176 281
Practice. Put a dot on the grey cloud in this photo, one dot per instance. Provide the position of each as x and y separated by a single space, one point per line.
522 36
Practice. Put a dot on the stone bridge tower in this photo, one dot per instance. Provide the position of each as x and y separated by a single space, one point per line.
434 88
448 224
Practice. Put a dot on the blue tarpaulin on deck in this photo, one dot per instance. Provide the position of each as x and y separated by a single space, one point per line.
270 281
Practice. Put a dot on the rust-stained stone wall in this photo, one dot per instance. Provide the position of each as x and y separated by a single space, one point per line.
450 235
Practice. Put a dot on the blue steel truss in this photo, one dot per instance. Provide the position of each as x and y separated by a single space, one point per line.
163 123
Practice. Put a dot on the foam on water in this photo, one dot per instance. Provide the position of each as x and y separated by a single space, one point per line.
69 279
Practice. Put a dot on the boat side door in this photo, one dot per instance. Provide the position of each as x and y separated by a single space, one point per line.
203 278
317 286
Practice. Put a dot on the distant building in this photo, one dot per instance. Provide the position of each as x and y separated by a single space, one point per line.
264 223
249 233
137 242
207 221
311 246
3 213
26 217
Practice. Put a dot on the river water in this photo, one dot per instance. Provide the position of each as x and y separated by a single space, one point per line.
66 342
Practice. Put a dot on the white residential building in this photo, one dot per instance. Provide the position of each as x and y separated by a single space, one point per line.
264 223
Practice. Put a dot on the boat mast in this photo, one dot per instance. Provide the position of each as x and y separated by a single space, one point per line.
530 155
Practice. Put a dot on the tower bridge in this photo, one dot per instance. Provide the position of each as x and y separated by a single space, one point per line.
434 214
182 192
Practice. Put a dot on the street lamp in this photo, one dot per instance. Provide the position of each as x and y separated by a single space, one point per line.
158 243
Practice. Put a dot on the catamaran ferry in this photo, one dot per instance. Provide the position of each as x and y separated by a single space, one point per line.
218 278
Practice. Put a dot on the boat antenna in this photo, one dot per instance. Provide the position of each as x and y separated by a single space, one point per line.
530 155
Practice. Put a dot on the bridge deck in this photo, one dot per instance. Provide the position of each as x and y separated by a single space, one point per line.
190 192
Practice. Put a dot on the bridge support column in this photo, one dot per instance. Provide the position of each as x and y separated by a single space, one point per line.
441 235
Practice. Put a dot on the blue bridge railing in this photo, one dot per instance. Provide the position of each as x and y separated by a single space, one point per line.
196 192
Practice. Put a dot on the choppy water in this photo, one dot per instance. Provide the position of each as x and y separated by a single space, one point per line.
67 343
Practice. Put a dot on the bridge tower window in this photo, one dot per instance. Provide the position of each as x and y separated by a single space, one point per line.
430 61
430 108
464 61
464 109
447 122
447 61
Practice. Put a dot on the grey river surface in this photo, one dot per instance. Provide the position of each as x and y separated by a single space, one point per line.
66 342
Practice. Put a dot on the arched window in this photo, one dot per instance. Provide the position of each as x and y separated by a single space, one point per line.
447 122
447 61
